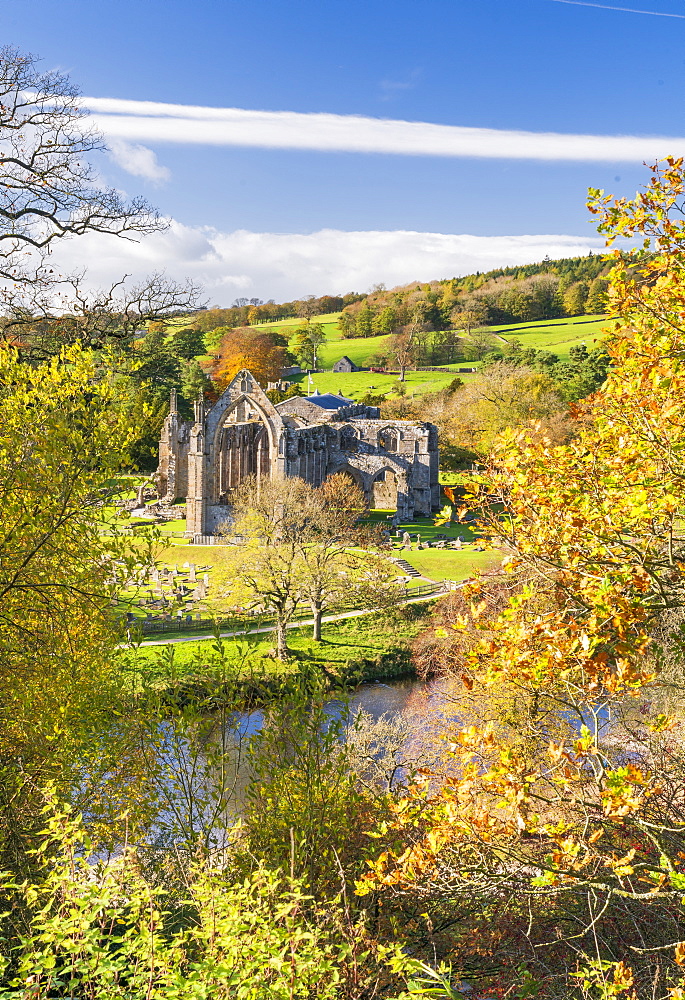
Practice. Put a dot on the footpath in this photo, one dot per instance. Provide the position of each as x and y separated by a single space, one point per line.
242 633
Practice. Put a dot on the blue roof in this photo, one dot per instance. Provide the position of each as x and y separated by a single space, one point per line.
328 401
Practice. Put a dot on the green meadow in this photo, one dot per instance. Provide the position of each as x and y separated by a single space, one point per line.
356 384
557 335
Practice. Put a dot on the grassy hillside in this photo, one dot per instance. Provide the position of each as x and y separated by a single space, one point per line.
557 336
357 384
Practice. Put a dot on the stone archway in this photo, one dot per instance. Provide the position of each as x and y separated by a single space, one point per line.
242 449
384 490
355 476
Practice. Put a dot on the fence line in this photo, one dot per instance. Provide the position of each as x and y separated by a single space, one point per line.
187 623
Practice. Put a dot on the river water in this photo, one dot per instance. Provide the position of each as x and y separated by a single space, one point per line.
421 703
411 715
417 712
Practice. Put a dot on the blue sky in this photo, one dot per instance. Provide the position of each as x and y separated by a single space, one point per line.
251 215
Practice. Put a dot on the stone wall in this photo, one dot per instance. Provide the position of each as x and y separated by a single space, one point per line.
174 447
394 462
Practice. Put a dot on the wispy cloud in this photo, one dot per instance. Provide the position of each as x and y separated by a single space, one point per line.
626 10
137 160
284 266
152 122
391 88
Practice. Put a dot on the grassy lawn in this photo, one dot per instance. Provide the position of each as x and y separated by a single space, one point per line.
442 564
543 324
557 335
368 648
357 384
448 564
359 350
218 561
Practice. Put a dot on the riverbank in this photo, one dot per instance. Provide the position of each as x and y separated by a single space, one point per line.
374 647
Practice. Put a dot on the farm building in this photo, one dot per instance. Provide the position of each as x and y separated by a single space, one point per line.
346 365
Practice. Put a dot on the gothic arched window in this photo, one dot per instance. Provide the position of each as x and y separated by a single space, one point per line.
388 439
348 439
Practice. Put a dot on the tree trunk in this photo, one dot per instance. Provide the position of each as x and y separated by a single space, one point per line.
318 614
281 644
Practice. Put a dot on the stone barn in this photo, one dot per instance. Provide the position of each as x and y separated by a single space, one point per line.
346 365
395 462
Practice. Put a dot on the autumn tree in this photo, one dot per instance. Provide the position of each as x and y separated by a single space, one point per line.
334 574
571 798
575 298
385 321
502 395
402 350
364 320
347 326
248 348
308 307
64 437
480 342
470 314
596 301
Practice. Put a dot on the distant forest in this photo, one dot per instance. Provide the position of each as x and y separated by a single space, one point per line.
551 289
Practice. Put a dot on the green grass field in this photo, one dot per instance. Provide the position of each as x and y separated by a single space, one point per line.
372 647
357 384
219 561
558 335
446 564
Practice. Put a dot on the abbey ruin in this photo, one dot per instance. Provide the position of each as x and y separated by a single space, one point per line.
395 462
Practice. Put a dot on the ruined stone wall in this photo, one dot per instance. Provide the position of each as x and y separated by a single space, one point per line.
399 454
174 447
394 462
307 453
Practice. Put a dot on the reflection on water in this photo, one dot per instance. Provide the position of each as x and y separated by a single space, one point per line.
425 709
425 704
206 781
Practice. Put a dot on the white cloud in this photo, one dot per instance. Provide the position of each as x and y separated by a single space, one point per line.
150 121
137 160
286 266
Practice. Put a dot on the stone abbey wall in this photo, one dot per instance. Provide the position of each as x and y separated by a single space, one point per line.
243 434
